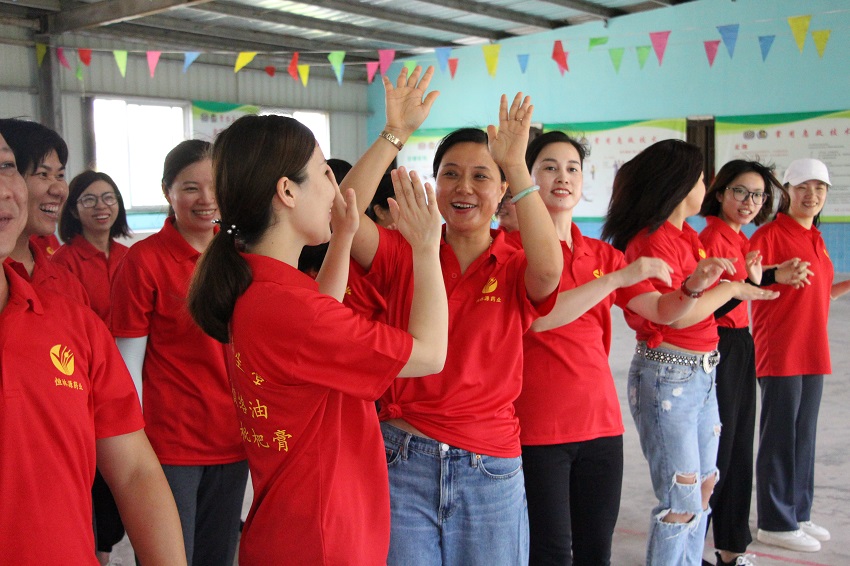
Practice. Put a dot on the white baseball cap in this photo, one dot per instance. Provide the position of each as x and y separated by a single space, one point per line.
807 169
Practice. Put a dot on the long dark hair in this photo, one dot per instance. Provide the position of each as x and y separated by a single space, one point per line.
249 158
648 189
536 145
181 156
69 221
711 204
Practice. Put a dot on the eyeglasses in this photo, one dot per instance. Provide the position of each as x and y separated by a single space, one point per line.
90 201
741 194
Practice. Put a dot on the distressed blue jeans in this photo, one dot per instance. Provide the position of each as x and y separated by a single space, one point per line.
450 506
675 410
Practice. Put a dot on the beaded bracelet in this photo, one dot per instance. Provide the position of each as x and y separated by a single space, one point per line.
524 193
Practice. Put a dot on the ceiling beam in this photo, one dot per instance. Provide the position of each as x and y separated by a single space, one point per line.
47 5
588 8
401 17
109 12
484 9
304 22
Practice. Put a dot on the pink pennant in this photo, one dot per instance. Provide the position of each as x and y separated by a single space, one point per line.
453 66
270 71
60 54
293 67
153 60
659 43
371 69
85 56
386 58
711 50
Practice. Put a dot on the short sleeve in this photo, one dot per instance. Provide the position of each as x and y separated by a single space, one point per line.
133 298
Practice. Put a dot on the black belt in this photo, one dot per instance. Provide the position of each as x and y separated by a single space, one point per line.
706 361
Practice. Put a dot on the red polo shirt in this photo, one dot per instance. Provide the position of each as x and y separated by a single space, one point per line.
51 277
790 332
94 270
721 240
305 371
62 385
361 295
568 392
470 403
185 393
48 244
682 250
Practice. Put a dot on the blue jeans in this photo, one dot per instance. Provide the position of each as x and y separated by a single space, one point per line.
451 506
675 410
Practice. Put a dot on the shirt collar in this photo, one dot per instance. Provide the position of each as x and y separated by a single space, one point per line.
501 247
264 268
794 227
20 291
720 226
180 249
84 247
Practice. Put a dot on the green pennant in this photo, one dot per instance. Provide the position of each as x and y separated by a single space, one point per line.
409 65
597 41
121 61
79 72
616 54
643 52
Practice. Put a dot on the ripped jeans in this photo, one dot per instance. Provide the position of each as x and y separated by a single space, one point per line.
675 410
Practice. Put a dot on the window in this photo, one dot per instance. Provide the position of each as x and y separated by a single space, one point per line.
317 122
131 142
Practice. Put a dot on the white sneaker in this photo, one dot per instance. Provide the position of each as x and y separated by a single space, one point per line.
745 560
814 531
792 540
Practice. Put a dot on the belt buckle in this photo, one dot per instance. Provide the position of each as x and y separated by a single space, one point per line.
710 360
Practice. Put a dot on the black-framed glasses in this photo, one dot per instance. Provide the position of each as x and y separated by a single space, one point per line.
90 201
741 194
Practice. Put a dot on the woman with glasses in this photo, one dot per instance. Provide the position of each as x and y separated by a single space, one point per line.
92 218
742 192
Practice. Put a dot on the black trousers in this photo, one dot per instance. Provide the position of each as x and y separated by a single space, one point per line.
736 402
573 493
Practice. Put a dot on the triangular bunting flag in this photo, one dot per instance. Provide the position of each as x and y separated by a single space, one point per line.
443 54
386 58
596 41
616 54
453 66
371 69
799 27
729 35
293 67
85 56
336 58
821 37
659 43
60 54
711 50
491 57
270 70
643 52
341 73
765 42
523 62
153 60
79 73
243 59
560 56
409 65
188 58
304 73
40 52
121 61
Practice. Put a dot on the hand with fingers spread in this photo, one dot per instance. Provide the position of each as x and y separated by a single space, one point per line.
414 210
754 267
407 103
794 272
645 268
509 142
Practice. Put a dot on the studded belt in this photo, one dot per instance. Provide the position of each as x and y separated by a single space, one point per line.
707 361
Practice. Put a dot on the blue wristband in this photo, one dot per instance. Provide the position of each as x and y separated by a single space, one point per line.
526 192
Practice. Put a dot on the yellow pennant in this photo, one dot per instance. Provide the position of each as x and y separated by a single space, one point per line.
304 73
491 57
40 52
821 37
799 27
243 59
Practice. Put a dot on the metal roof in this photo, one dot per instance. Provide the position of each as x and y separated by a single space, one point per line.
278 28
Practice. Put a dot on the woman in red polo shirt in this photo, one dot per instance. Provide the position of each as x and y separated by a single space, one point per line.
181 371
790 370
742 192
93 216
305 369
671 381
452 439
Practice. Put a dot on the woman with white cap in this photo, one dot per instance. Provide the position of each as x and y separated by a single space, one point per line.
791 370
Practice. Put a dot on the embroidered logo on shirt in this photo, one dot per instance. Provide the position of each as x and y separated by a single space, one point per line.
826 253
62 358
701 253
489 287
598 273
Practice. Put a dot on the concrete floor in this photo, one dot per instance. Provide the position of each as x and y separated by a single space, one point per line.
832 470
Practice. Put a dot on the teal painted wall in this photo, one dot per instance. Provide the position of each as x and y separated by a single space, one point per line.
684 85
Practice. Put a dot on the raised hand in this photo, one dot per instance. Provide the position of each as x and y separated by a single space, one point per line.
754 268
407 103
414 209
509 142
345 217
645 268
